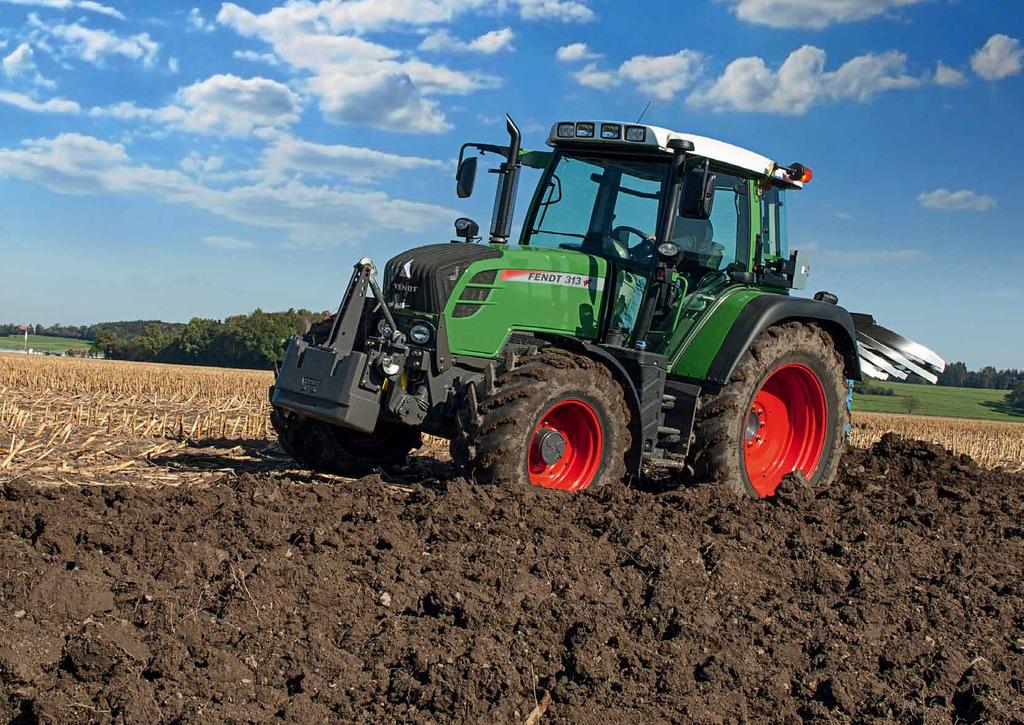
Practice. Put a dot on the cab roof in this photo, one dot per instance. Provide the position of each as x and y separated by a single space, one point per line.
621 135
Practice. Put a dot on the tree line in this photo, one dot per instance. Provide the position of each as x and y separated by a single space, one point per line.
256 340
957 375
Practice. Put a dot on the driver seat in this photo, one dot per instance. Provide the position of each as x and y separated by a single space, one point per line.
700 253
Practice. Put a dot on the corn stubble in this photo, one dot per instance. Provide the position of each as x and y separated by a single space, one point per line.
112 422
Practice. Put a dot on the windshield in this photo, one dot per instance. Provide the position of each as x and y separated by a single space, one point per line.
600 206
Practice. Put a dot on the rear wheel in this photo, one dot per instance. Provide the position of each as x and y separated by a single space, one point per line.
783 410
327 448
556 420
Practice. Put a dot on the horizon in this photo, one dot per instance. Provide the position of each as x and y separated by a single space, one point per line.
216 157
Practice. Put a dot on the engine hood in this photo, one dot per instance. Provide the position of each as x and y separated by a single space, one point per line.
423 278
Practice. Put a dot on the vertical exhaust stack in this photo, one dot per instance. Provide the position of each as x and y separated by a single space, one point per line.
505 198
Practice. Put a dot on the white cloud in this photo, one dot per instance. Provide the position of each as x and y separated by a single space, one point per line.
567 11
963 200
89 5
254 57
999 58
197 22
747 84
173 66
575 52
356 163
658 76
53 105
813 14
196 163
310 215
221 105
359 81
93 45
233 244
948 76
488 43
20 64
229 105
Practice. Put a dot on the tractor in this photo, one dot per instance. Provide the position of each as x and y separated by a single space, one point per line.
643 321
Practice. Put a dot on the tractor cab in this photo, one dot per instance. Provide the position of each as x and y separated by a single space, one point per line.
677 218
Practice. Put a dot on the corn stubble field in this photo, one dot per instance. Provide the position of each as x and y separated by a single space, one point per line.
104 422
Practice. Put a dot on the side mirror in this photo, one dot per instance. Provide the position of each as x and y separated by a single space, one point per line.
698 197
465 179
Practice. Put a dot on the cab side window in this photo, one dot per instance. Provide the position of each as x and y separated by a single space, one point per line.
773 235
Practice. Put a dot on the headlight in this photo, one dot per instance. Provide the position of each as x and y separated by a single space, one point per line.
384 328
636 133
420 334
668 249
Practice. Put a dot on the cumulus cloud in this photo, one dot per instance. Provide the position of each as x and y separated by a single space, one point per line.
999 58
195 21
221 105
255 57
20 64
748 84
575 52
73 163
52 105
93 45
963 200
89 5
812 14
356 163
567 11
489 43
358 81
660 77
948 76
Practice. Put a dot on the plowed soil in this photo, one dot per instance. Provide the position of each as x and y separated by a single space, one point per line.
896 595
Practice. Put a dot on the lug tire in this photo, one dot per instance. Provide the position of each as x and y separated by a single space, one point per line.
326 448
550 392
784 409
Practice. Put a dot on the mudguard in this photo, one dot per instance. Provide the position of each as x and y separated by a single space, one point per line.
770 309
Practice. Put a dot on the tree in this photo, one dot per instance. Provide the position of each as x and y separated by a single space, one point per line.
1015 398
911 403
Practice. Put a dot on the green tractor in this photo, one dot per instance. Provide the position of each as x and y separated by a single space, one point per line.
643 321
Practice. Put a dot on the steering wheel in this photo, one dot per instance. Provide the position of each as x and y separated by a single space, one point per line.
645 248
644 236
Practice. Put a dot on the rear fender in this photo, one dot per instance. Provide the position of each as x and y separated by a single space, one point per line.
769 310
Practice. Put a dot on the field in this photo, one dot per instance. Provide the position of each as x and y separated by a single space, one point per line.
43 343
161 560
940 401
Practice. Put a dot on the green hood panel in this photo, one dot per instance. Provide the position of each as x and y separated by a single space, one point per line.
534 290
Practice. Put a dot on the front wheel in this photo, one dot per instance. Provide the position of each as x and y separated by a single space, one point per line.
782 411
557 420
328 448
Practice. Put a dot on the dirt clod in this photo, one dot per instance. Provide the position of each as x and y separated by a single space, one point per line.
896 595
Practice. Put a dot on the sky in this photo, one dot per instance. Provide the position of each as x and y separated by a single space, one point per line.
172 160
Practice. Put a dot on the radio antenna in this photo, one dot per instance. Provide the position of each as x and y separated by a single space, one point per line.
644 112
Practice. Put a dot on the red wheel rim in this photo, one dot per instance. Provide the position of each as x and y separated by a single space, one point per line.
581 441
785 428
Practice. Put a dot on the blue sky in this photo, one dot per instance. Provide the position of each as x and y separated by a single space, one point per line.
170 160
